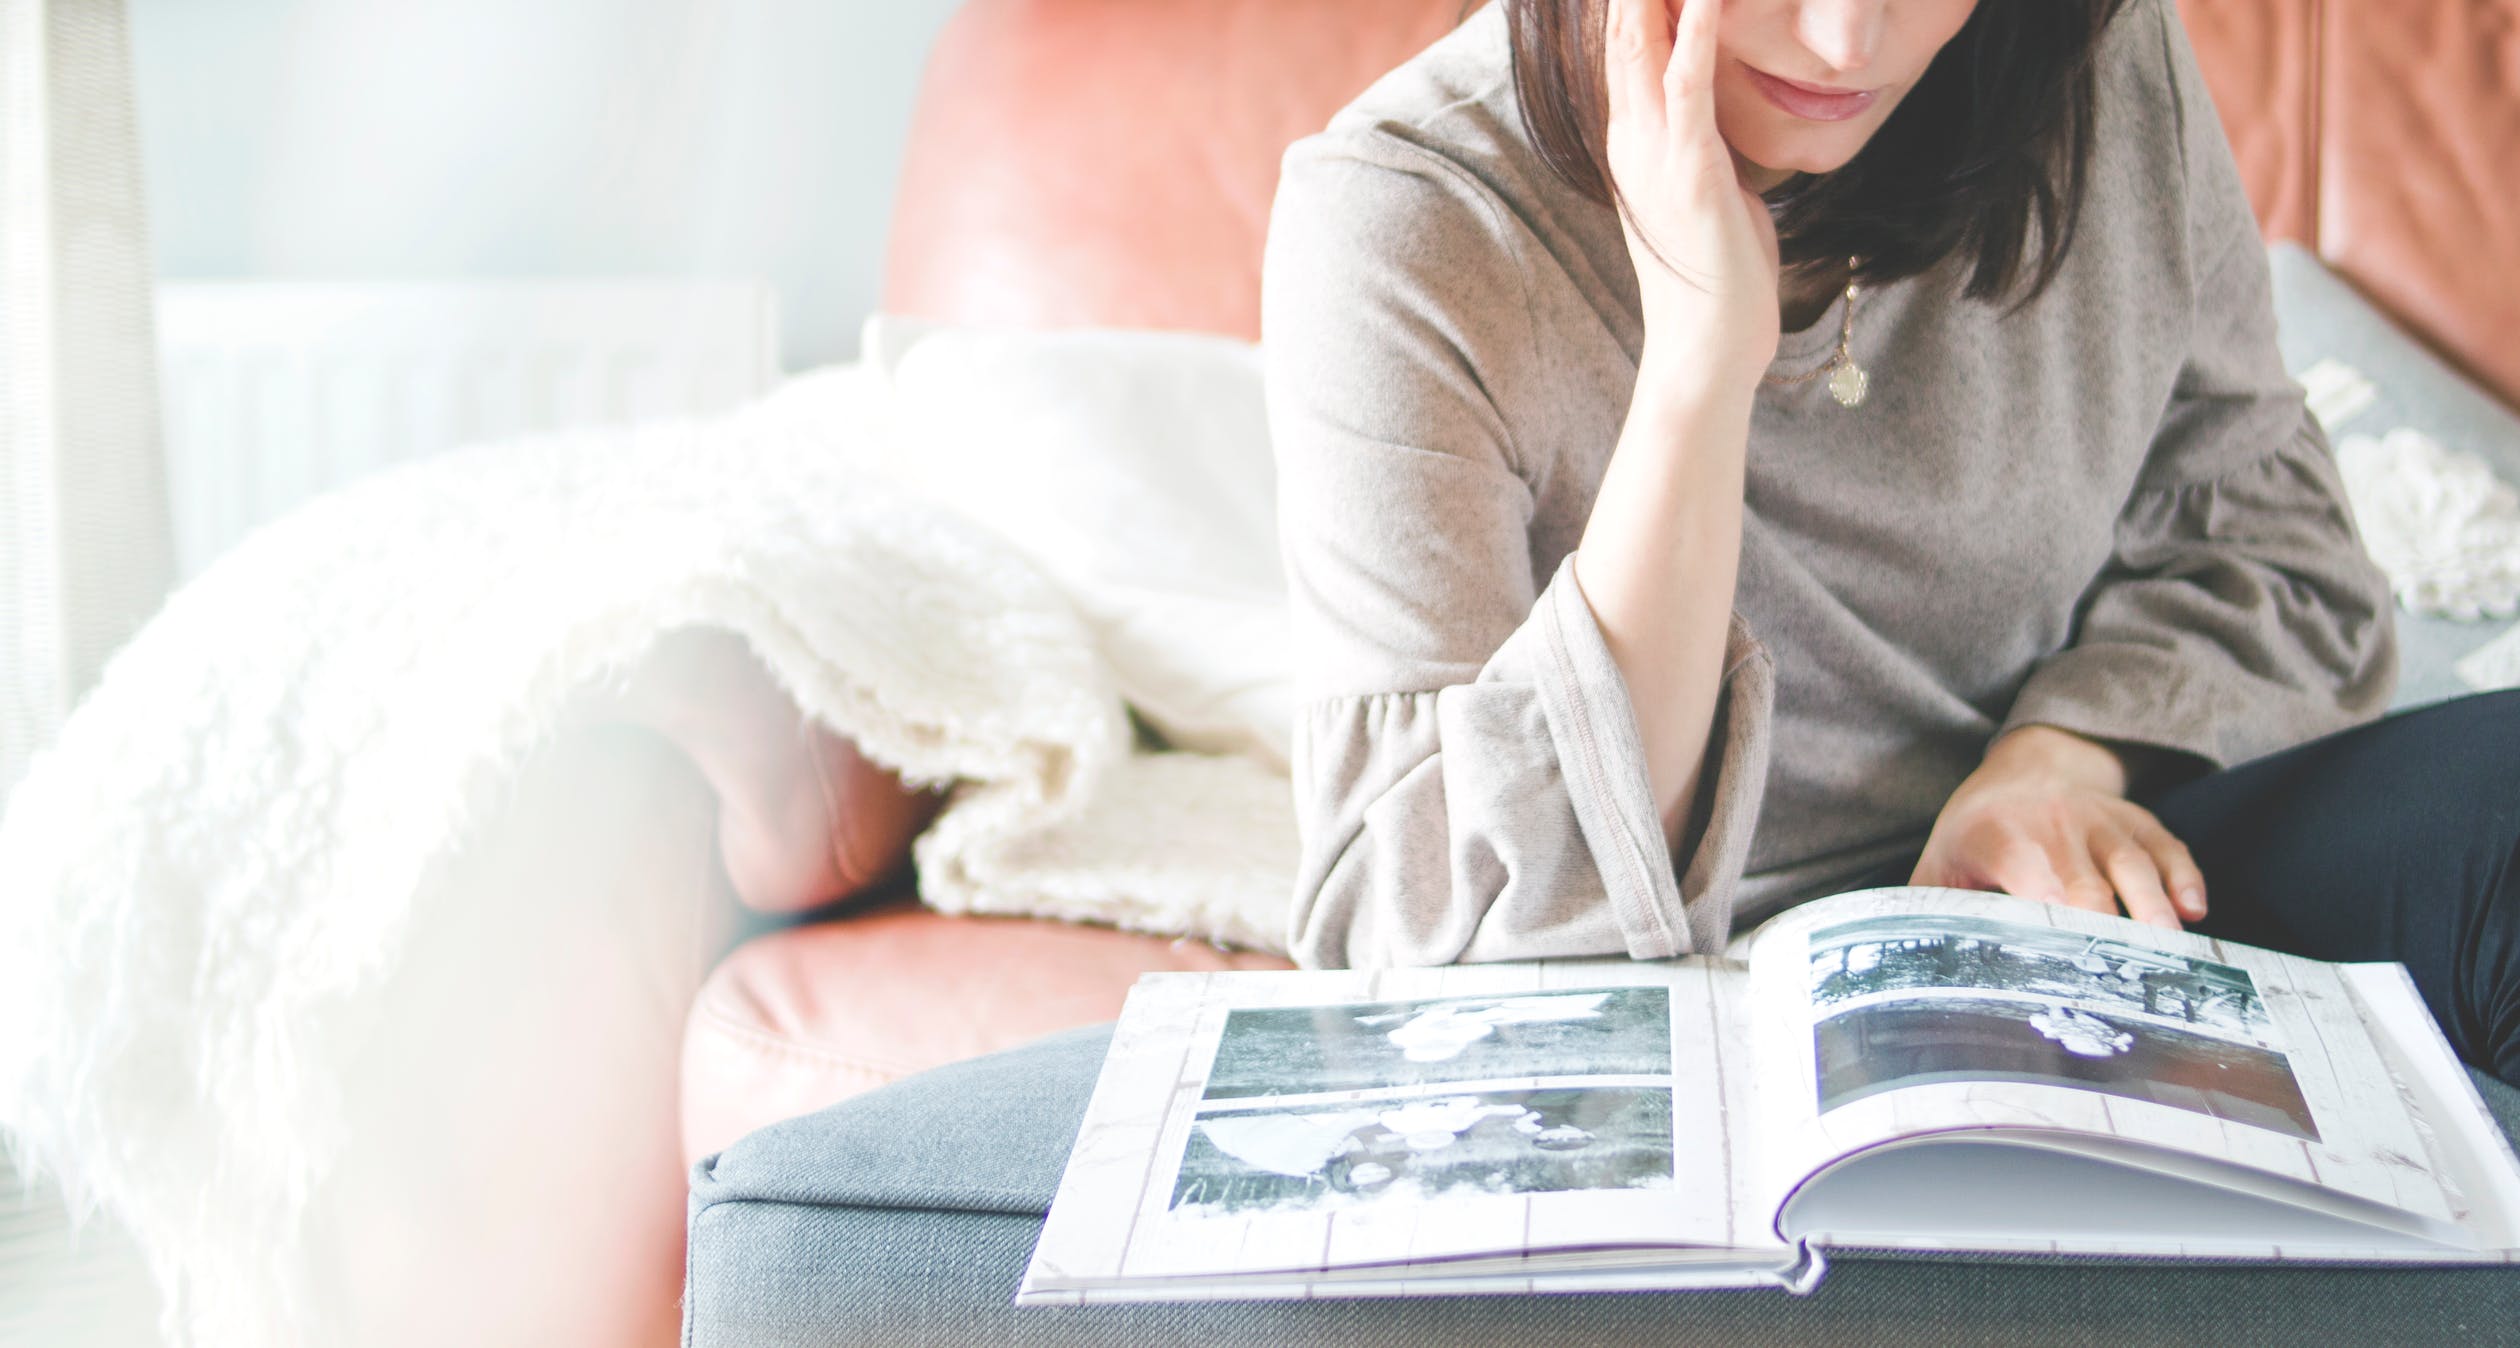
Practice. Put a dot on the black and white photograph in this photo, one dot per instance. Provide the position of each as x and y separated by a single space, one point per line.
1304 1050
1419 1146
1858 961
1927 1039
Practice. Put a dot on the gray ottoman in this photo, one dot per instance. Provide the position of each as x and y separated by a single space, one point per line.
905 1217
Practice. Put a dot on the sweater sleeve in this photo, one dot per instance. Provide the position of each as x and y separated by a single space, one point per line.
1469 778
2240 614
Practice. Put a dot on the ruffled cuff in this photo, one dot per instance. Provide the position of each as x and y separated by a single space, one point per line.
2128 694
1661 910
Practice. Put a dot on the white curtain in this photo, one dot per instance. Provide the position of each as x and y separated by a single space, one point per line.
85 542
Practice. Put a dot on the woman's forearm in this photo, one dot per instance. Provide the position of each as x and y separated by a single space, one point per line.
1657 564
1663 545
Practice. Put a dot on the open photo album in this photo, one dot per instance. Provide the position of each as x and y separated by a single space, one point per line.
1925 1069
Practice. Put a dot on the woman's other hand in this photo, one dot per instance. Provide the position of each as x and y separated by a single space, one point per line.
2045 817
1703 245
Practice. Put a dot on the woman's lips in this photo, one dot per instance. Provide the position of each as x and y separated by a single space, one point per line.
1807 102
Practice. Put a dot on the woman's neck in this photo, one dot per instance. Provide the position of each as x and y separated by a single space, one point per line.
1805 292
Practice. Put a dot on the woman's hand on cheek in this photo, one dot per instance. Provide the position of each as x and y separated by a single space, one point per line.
2046 817
1703 243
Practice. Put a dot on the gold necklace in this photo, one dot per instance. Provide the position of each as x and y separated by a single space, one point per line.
1848 383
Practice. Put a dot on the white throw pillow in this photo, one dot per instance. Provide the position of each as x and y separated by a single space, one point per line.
1134 469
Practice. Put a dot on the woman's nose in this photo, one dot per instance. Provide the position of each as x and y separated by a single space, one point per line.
1844 33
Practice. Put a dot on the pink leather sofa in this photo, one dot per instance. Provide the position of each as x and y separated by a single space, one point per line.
1111 162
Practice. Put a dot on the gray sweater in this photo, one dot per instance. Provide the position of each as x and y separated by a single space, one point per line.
2109 512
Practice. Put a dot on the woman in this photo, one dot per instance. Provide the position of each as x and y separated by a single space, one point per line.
1892 479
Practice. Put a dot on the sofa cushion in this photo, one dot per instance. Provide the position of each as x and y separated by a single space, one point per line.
797 1019
907 1215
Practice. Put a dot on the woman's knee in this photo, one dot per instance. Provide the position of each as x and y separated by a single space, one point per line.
2465 775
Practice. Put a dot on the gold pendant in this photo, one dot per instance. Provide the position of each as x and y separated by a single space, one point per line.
1848 384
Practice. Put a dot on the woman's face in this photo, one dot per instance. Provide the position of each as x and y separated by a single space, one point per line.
1853 60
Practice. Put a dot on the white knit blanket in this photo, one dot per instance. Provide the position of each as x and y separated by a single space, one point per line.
212 871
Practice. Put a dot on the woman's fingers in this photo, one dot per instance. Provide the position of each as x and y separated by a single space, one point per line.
1689 77
2083 884
2136 876
1688 95
2061 871
2020 867
2179 872
1635 47
2079 849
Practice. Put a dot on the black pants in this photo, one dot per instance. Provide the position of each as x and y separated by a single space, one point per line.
2396 840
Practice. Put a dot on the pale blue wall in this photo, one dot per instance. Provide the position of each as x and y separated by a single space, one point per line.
430 139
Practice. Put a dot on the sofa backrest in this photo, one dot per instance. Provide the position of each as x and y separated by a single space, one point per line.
1111 162
2384 135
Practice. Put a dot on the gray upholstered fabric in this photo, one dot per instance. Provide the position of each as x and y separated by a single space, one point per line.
906 1217
2319 317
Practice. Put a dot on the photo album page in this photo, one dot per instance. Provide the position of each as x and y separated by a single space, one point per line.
1488 1117
1895 1014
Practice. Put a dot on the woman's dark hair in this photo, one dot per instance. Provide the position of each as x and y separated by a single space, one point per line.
1989 148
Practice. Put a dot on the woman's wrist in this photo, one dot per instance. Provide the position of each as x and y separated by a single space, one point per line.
1689 376
2057 755
1677 395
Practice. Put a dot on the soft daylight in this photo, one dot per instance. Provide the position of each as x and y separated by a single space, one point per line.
716 673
